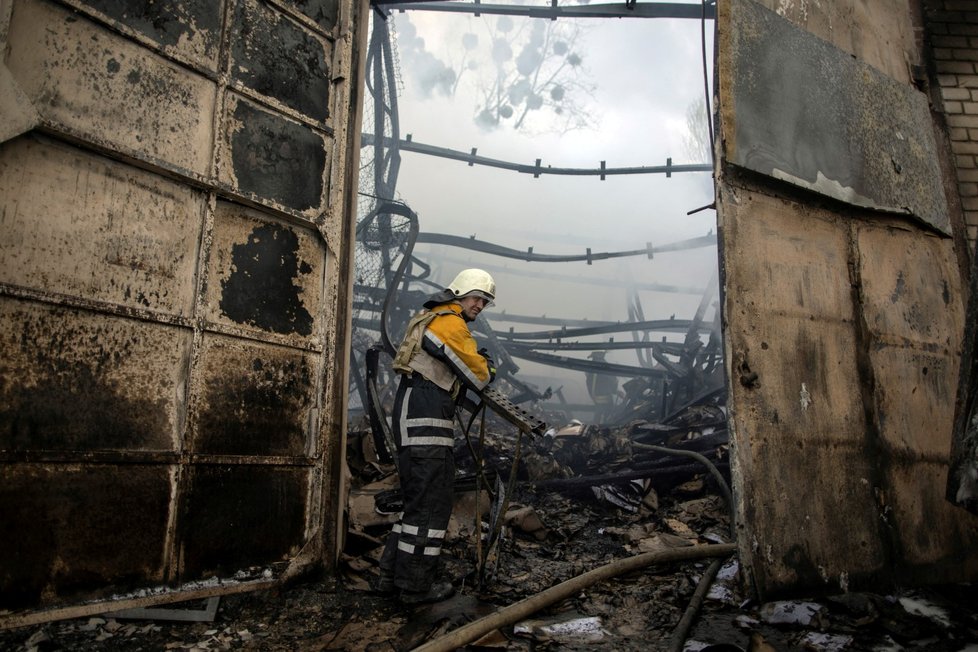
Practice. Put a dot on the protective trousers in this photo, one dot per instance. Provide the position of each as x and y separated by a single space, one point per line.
423 428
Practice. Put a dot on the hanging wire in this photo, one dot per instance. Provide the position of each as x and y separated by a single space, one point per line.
395 55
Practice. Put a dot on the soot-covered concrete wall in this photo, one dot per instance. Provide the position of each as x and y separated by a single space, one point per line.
844 299
175 236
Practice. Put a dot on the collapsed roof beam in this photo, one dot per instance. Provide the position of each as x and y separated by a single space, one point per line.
553 12
575 364
530 256
671 348
657 325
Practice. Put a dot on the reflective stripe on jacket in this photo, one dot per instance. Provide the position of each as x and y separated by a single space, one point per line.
439 346
448 339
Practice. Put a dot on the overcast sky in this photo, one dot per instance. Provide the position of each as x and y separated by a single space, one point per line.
645 74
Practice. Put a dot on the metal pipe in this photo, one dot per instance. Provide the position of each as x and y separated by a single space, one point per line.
678 640
515 612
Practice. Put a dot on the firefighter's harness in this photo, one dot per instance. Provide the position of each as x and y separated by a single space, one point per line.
412 358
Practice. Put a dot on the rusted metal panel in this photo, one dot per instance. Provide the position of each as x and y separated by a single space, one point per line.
802 111
77 224
265 276
99 86
233 517
68 528
187 29
274 159
76 380
252 399
280 59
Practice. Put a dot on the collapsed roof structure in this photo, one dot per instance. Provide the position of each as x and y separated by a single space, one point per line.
178 289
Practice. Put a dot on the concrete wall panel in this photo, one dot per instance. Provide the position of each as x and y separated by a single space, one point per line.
914 390
274 160
802 111
89 381
798 448
189 30
812 514
68 527
76 224
252 399
879 32
839 494
812 400
265 276
819 287
931 533
99 86
911 288
834 407
279 59
240 516
323 12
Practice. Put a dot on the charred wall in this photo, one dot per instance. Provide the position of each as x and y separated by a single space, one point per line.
843 300
175 233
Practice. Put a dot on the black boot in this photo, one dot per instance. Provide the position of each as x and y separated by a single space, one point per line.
383 584
439 591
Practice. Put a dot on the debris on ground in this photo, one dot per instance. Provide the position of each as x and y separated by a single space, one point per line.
584 497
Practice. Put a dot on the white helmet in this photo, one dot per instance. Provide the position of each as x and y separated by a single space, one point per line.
473 281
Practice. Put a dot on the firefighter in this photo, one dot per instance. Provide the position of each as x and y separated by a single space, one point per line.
438 360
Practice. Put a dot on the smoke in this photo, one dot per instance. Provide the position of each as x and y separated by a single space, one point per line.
646 74
427 74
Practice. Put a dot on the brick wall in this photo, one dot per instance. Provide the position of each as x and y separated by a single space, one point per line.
952 26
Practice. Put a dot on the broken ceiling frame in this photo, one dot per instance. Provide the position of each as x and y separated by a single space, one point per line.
537 168
588 256
399 290
553 11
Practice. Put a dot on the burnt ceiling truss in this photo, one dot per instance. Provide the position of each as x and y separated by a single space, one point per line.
537 168
588 256
392 279
553 11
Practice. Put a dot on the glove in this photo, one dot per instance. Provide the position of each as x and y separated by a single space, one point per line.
484 352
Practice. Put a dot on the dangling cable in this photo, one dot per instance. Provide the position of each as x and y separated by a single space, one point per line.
477 459
494 535
403 211
480 478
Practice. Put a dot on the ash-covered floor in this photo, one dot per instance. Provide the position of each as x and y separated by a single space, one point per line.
556 528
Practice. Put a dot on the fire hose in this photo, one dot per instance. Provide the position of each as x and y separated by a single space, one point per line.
520 610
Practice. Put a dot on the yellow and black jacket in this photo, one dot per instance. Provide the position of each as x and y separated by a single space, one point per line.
439 346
